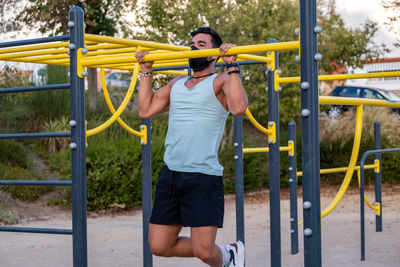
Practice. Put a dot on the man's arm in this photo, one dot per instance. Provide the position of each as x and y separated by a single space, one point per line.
151 103
233 89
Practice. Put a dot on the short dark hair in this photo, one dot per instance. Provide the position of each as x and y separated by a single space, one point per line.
216 40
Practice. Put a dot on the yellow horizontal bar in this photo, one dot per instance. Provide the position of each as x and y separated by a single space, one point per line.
32 47
172 72
169 63
334 100
284 148
125 65
344 76
40 58
111 51
254 57
90 42
263 149
34 53
104 46
256 150
359 76
339 169
114 67
107 49
289 80
107 39
51 62
198 53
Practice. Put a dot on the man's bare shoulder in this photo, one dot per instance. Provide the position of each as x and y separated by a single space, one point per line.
175 79
167 88
221 79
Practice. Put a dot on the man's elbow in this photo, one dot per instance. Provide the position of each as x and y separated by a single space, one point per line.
239 110
143 114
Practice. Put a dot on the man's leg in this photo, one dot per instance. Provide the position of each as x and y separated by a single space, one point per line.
164 241
204 247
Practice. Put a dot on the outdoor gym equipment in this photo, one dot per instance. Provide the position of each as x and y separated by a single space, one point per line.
79 50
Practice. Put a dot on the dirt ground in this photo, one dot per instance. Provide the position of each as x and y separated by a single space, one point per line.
115 239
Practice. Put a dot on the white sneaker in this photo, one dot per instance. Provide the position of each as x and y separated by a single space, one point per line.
236 251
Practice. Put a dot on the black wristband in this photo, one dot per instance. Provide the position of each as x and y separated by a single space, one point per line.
233 71
232 65
143 74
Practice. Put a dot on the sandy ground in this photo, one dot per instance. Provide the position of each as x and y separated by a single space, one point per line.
116 239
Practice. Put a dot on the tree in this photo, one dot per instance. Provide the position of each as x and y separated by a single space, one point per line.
255 21
101 17
393 5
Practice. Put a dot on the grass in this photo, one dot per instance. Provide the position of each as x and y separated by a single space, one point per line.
344 126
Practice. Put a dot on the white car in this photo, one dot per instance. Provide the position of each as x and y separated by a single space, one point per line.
118 80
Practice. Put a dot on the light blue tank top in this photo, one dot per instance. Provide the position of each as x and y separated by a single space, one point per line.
195 127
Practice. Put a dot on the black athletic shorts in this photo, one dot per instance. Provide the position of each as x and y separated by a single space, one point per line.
188 199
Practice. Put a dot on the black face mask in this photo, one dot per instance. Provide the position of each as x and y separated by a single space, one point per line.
198 64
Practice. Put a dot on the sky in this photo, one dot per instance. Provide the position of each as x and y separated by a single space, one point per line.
356 12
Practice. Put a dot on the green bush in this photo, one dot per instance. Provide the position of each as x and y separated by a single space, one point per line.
25 193
12 153
114 167
113 176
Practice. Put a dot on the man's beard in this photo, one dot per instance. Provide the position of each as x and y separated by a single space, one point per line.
199 64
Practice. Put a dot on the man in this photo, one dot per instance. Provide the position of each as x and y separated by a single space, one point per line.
189 190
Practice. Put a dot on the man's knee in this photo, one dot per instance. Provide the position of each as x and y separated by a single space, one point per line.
162 239
158 249
203 253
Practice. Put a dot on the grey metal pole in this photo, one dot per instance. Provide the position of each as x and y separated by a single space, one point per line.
239 187
78 141
378 176
294 228
309 133
146 194
362 215
239 183
274 169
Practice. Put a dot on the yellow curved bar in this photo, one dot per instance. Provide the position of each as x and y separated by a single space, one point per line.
111 107
376 208
335 100
121 108
340 169
255 123
352 164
